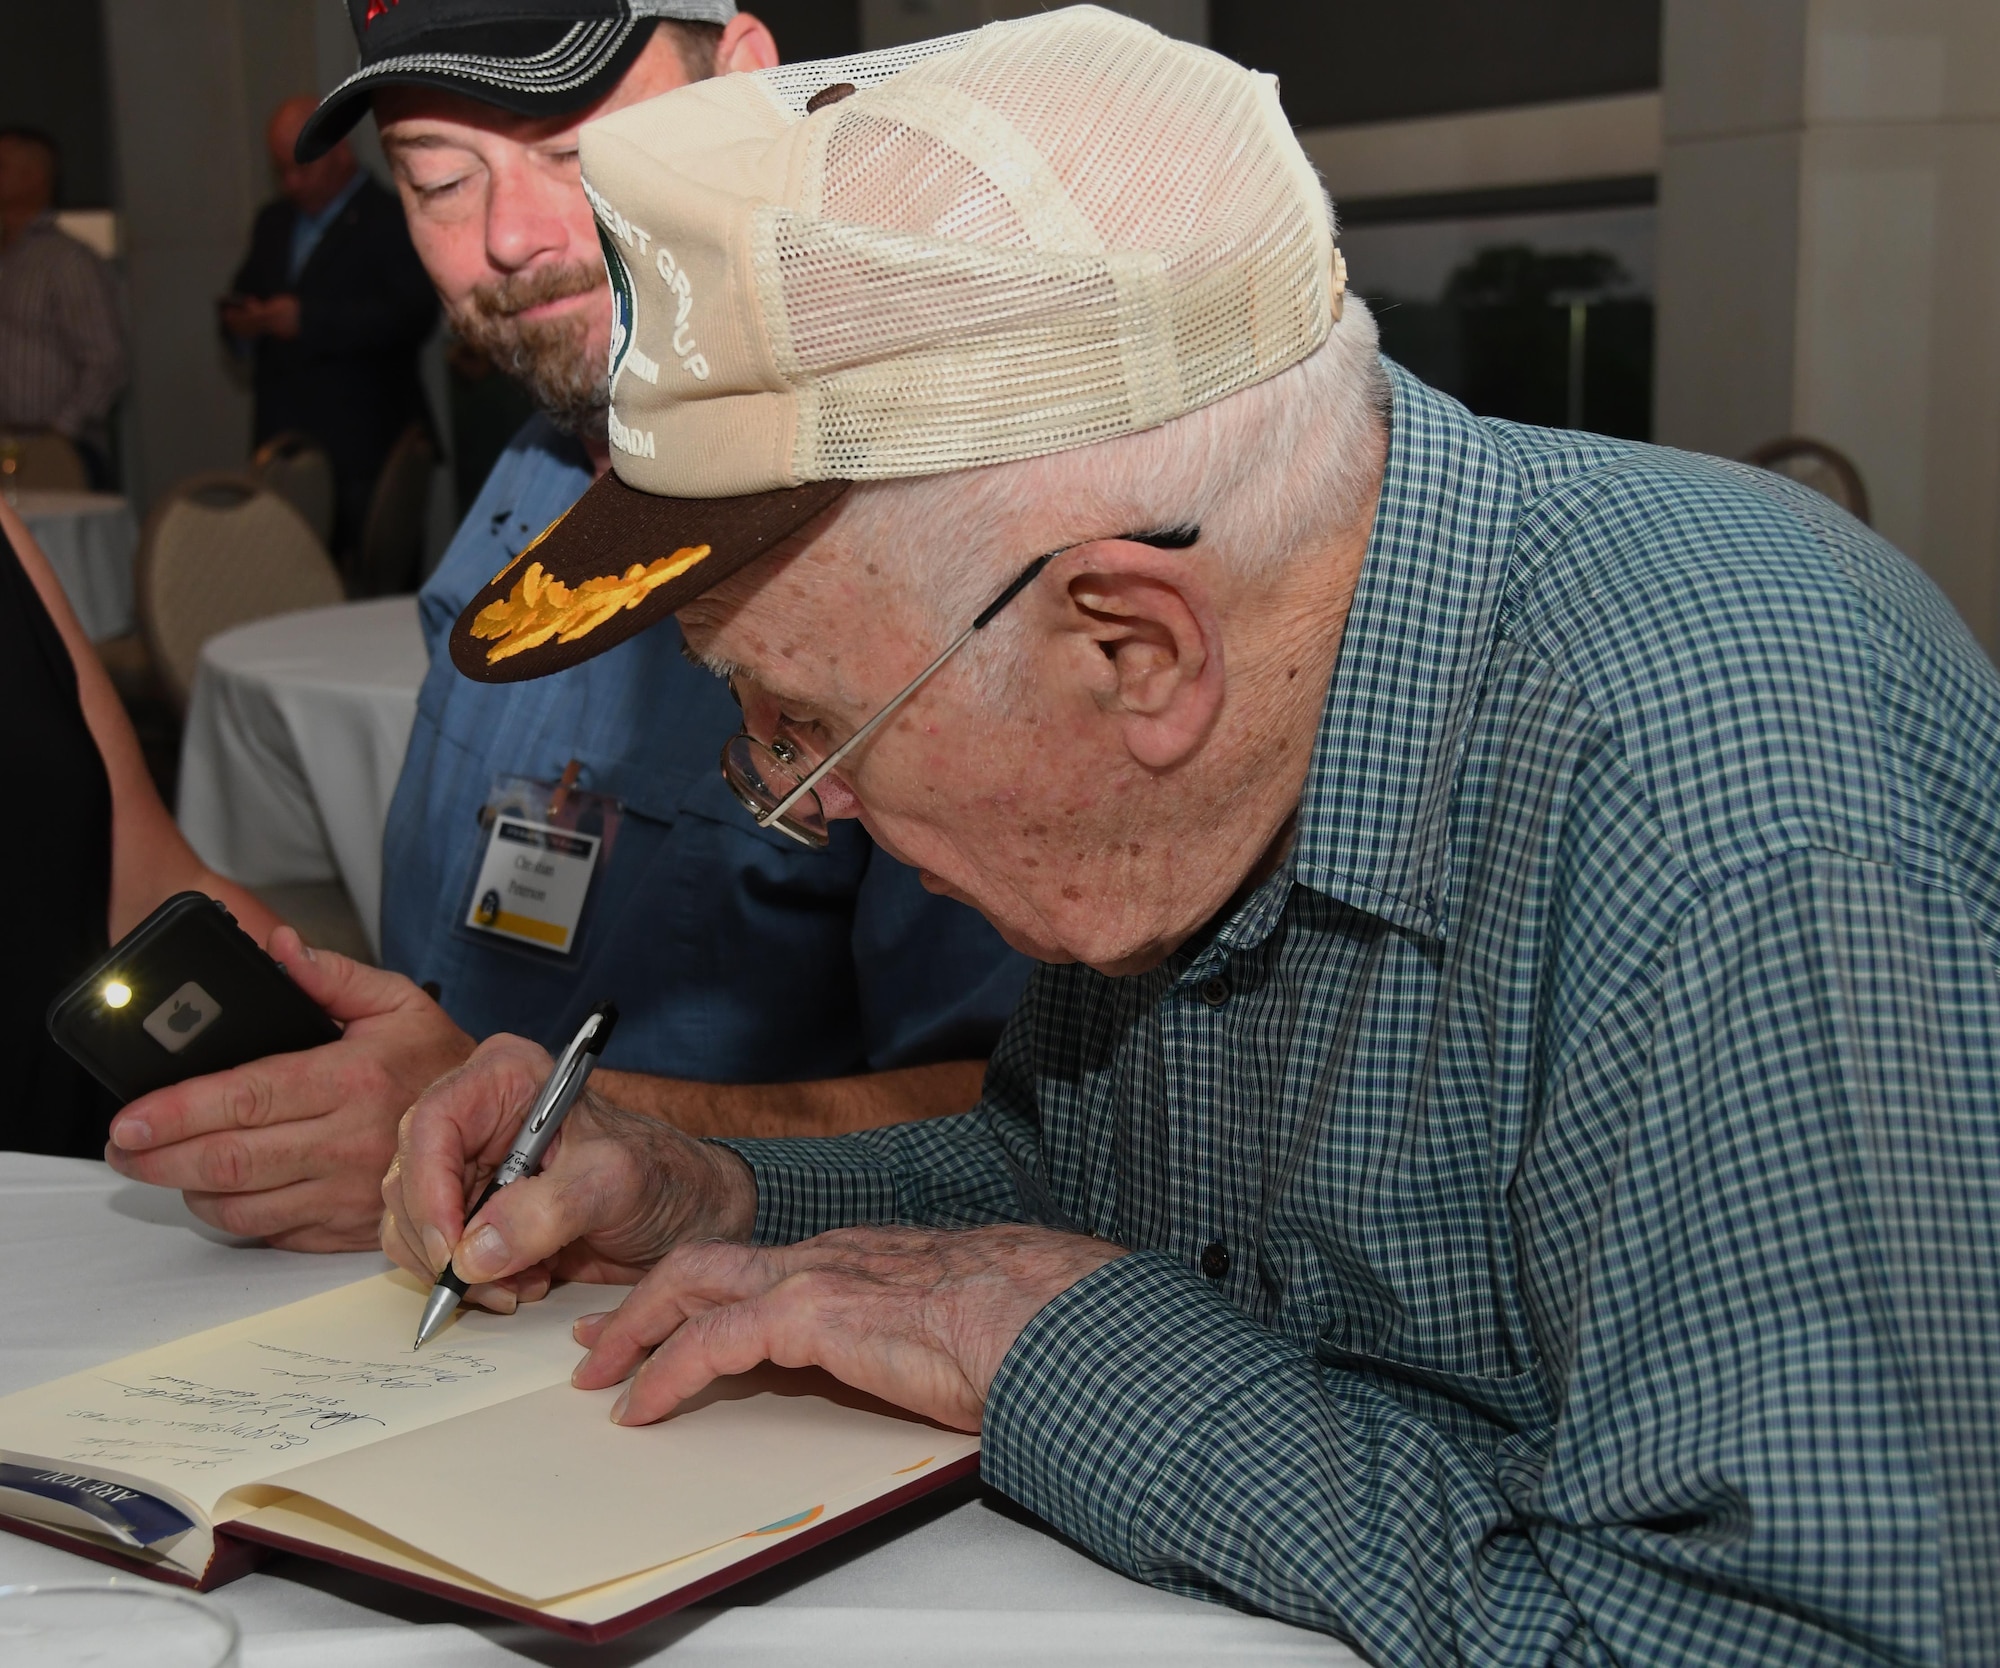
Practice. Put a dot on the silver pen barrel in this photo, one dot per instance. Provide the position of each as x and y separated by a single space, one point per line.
561 1091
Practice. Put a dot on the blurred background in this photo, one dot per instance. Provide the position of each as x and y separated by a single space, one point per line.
1769 231
1697 221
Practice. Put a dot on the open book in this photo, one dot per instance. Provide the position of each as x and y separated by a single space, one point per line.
470 1468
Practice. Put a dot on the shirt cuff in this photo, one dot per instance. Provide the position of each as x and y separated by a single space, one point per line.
810 1185
1107 1393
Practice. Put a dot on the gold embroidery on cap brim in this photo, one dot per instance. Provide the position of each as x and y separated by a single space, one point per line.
540 607
526 549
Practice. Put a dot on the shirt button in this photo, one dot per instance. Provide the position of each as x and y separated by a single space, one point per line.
1215 1259
1213 991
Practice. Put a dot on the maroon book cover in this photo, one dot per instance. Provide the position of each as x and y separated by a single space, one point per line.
240 1548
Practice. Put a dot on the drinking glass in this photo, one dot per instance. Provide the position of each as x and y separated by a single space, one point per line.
114 1624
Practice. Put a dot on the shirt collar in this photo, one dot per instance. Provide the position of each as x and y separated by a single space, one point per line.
1375 818
42 225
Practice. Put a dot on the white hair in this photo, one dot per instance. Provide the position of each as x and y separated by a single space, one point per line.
1266 474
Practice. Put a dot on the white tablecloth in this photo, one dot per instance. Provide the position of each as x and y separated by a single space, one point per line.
90 539
295 737
98 1267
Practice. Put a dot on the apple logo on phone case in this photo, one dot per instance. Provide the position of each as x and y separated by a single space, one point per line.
184 1015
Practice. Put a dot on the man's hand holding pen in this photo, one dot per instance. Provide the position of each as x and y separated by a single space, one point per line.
615 1192
920 1317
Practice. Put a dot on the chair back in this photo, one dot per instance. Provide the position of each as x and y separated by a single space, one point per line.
1827 470
297 469
392 540
43 461
219 551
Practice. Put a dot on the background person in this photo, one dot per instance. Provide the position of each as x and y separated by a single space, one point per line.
334 308
119 855
1501 1162
763 988
62 346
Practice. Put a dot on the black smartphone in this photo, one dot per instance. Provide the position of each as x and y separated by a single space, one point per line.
186 992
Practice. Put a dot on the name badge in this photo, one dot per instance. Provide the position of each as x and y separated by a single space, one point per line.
532 882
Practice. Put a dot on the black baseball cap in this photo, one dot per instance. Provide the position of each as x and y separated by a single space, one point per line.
534 57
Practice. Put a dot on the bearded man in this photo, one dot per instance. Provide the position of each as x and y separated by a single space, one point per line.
1502 1164
763 988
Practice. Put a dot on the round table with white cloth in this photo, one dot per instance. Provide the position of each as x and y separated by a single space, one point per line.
100 1267
295 736
90 539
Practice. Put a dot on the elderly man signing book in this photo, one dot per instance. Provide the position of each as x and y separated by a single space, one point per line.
1500 1162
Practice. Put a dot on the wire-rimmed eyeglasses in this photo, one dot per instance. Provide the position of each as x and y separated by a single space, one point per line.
774 781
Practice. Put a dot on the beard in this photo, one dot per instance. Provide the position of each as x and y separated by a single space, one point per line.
551 357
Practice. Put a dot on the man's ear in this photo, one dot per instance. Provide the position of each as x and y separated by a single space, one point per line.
745 45
1152 643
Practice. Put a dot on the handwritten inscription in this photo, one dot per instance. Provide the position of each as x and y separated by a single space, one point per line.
424 1373
247 1404
191 1426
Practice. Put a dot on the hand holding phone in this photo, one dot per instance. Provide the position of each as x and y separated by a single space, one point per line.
185 993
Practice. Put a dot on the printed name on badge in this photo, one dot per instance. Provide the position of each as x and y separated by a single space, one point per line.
533 882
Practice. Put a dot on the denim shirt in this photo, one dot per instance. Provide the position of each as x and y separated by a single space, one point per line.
734 954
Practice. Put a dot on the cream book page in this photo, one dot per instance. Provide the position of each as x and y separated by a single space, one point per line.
224 1410
747 1457
303 1519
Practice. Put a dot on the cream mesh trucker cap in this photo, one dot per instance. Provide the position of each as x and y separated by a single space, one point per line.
987 247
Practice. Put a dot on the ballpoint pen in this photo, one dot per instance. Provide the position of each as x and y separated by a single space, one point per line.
545 1117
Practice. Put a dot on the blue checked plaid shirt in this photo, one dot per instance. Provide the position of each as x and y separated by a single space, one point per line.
1600 1113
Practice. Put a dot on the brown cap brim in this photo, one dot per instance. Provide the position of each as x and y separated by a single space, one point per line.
618 561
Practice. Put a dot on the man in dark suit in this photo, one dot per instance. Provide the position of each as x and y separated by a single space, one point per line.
333 305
